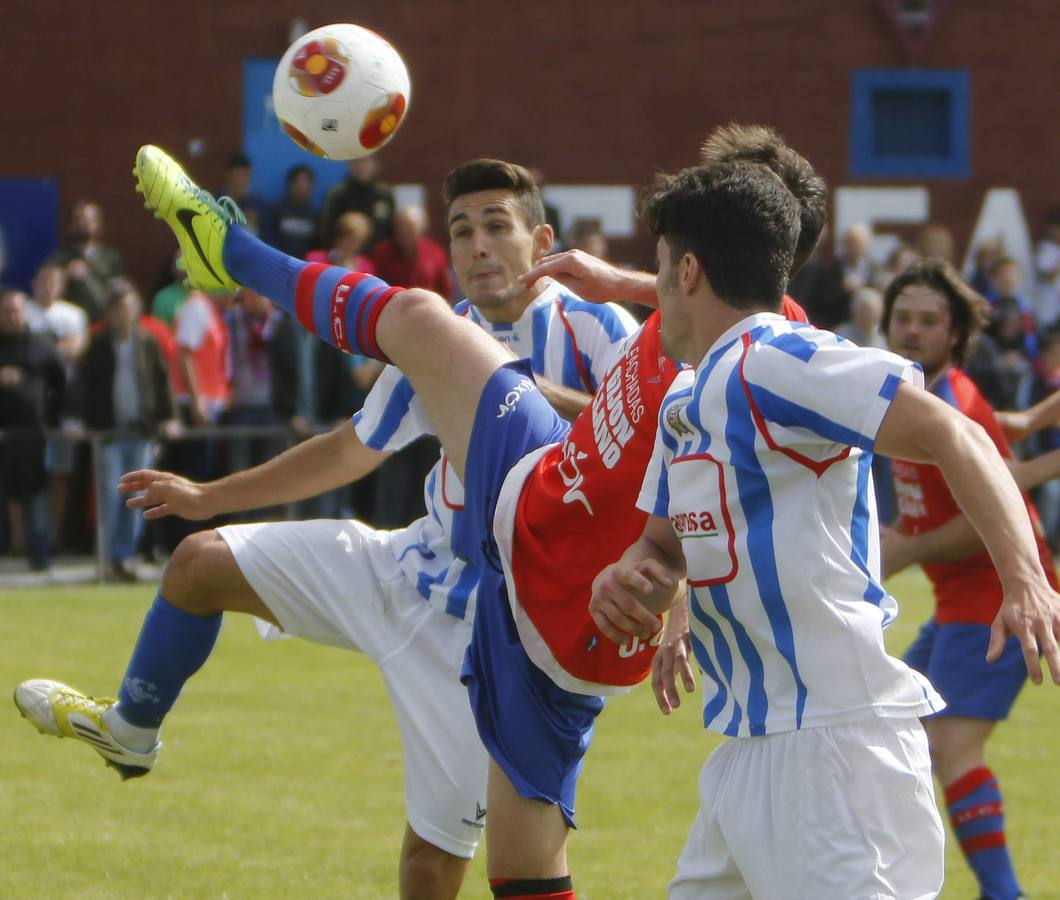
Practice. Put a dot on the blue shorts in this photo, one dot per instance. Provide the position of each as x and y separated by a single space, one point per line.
953 657
536 732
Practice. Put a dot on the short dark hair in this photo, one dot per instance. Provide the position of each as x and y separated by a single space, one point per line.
969 312
739 220
496 174
118 288
761 144
295 171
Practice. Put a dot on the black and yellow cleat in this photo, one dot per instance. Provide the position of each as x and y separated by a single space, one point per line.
199 221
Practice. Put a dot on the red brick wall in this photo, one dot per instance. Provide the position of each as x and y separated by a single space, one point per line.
592 91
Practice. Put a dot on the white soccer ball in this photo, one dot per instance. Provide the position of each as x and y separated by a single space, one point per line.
341 91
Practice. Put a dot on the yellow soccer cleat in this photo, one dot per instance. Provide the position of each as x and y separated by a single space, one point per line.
198 220
62 711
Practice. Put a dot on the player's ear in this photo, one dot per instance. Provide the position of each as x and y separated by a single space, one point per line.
689 272
543 238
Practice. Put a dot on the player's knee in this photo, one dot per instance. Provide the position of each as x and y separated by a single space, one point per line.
415 306
185 580
429 873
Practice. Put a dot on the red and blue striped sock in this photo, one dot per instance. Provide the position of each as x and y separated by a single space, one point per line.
977 815
338 305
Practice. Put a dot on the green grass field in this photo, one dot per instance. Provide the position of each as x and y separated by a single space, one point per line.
281 774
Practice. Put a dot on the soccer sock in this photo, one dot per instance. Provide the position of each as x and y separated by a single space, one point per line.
172 646
533 888
977 815
336 304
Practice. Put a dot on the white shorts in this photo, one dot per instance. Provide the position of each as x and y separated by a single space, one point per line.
337 582
844 812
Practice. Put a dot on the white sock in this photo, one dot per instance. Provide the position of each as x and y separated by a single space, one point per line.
131 737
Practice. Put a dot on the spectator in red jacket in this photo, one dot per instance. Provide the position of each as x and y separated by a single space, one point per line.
410 258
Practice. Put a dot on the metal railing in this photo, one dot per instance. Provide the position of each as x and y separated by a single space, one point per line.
98 439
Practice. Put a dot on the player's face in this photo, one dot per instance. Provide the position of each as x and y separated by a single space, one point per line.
921 329
491 245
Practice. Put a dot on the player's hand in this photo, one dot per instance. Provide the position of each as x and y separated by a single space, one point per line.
627 597
10 376
161 494
1032 614
896 551
590 278
1016 424
673 659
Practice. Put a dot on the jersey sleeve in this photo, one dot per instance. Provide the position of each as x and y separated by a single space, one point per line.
809 387
607 340
392 415
595 340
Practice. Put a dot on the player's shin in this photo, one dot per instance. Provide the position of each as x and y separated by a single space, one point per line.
172 646
338 305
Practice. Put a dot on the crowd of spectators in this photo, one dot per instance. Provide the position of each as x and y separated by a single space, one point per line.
1016 361
84 354
89 353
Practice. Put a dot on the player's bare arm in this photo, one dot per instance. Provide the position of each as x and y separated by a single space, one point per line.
630 594
1029 473
921 428
1020 423
322 463
673 659
594 279
566 401
955 540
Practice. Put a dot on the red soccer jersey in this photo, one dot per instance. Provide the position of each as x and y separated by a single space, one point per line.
967 590
577 512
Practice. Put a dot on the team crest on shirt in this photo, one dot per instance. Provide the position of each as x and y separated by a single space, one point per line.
677 420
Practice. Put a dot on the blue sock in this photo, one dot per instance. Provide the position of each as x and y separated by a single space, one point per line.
338 305
172 646
976 811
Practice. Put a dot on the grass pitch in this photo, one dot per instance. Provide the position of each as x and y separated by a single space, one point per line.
281 773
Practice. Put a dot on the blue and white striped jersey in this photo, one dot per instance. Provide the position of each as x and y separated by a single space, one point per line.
762 464
568 341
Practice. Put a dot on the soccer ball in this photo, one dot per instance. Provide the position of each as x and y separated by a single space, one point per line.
341 91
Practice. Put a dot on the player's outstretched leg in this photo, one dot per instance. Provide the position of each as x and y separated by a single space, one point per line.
447 359
178 634
172 646
336 304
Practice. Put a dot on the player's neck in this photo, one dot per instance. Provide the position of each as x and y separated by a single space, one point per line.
511 309
931 378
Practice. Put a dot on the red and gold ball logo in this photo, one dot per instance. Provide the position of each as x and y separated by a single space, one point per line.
382 121
319 67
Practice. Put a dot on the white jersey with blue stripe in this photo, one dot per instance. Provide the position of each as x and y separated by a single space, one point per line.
762 463
568 341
